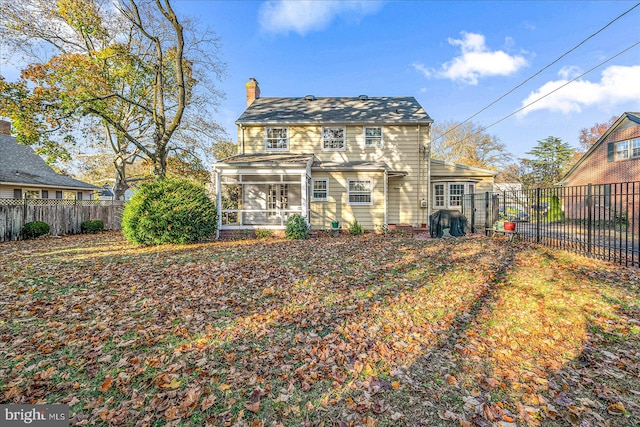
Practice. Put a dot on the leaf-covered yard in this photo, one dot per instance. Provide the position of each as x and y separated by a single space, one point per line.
373 330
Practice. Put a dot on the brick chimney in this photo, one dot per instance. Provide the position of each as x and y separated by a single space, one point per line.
253 91
5 127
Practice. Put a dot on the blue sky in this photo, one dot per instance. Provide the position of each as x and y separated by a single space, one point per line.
454 57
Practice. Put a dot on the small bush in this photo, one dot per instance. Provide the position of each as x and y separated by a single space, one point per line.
264 233
169 211
297 228
94 226
34 229
356 229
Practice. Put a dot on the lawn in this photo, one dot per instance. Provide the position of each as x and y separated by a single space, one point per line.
370 330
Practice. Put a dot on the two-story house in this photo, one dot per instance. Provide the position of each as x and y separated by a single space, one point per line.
335 159
612 168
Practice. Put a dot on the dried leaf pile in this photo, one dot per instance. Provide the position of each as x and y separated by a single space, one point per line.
371 330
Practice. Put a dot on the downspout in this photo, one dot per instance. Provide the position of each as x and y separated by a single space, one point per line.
419 177
429 201
218 201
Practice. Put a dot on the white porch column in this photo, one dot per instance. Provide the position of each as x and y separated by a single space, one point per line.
386 180
218 201
303 197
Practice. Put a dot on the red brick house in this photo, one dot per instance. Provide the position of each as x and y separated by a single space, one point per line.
612 167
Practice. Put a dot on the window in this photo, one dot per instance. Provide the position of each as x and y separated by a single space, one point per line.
456 191
333 139
277 198
373 137
622 150
635 147
17 193
45 194
277 139
601 194
321 190
359 191
438 194
58 194
32 194
79 195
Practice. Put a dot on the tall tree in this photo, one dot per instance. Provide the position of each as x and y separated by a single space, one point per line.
132 66
588 136
468 144
550 159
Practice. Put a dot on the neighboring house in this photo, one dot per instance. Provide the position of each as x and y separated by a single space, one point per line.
615 156
335 159
612 167
25 174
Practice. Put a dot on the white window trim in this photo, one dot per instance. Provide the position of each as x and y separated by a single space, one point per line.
444 195
364 132
627 150
370 202
313 198
266 138
631 156
464 188
344 133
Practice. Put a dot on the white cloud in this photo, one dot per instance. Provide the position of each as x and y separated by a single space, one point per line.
618 84
303 16
475 61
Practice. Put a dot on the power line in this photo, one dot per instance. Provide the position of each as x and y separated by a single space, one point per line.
553 91
539 72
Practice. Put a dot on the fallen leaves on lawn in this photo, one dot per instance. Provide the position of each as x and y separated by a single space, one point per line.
258 333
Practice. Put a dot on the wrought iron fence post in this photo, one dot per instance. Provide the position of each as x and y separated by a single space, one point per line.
589 203
538 215
486 209
473 213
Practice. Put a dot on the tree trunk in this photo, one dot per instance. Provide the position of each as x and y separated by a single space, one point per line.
121 185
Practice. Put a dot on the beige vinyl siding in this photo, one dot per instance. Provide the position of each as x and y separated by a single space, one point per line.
337 208
399 151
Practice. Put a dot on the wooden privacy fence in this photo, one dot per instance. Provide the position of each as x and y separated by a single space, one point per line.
63 216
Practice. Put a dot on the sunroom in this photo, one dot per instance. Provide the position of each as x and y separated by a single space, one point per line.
262 190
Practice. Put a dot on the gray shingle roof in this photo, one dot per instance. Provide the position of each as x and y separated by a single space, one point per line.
266 160
335 110
20 165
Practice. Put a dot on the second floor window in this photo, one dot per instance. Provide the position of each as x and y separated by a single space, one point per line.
622 150
627 149
334 139
277 139
373 137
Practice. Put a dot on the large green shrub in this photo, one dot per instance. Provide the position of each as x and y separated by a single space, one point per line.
34 229
297 227
169 211
94 226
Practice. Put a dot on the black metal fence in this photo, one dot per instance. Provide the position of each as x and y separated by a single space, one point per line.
599 220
